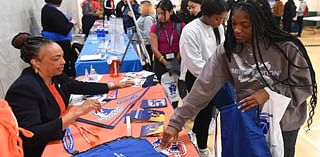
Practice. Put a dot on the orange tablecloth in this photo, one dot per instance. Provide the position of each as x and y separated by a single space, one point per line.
55 149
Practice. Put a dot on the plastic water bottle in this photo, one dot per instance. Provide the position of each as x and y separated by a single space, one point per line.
98 33
102 33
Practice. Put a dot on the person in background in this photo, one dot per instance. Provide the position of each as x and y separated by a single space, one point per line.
128 23
199 40
231 3
288 14
108 8
277 11
185 17
300 15
144 23
120 8
256 54
164 37
194 10
57 27
194 7
40 95
184 13
90 15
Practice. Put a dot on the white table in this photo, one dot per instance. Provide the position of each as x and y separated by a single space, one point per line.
313 19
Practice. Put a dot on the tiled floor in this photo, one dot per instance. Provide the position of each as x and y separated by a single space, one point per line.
308 143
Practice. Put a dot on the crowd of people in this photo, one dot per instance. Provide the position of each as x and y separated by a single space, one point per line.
286 15
207 43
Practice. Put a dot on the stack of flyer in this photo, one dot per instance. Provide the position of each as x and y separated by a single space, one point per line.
147 115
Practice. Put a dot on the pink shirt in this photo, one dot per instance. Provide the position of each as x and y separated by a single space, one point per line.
163 44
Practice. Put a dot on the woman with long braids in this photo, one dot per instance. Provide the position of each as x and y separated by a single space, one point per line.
256 54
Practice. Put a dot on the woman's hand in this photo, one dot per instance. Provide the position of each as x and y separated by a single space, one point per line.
170 135
87 106
125 84
259 97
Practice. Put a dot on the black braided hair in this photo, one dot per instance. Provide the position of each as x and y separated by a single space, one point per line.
29 46
263 26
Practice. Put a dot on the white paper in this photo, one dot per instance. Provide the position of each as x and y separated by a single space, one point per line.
91 57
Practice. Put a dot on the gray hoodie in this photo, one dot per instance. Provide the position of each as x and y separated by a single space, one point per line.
241 71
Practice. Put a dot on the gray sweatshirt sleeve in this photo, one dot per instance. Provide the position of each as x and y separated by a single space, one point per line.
212 77
295 114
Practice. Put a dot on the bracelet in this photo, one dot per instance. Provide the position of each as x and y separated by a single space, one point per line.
111 85
161 59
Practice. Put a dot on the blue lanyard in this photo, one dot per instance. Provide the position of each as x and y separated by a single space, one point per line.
68 148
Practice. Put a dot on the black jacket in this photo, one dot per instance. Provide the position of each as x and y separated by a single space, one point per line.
53 20
37 110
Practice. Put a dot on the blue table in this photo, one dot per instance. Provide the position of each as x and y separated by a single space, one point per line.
131 61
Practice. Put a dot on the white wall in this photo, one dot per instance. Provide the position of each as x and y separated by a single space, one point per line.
20 16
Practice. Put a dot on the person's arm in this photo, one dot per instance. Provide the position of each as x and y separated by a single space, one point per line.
213 76
83 109
70 86
299 76
27 101
135 8
155 45
147 26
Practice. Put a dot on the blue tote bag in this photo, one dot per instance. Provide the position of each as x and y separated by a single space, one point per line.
241 134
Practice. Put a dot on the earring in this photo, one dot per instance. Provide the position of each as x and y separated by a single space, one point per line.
36 70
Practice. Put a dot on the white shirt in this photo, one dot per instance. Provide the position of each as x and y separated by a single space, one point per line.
197 44
301 8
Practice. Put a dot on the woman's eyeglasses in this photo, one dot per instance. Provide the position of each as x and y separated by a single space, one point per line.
191 7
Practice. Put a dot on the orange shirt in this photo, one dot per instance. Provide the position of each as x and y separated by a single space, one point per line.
57 97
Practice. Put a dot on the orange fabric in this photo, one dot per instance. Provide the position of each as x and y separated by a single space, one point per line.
9 132
277 9
95 5
80 144
58 98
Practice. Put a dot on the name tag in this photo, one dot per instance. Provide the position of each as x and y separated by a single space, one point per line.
170 55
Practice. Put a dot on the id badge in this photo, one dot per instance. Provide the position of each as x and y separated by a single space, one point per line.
170 55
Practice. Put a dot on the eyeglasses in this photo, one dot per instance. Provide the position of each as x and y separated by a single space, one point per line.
191 7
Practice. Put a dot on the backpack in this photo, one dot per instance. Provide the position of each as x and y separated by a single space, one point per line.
306 11
9 132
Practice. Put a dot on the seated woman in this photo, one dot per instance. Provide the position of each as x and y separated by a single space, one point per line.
39 97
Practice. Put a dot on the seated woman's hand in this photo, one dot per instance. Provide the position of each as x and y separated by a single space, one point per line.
87 106
125 84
